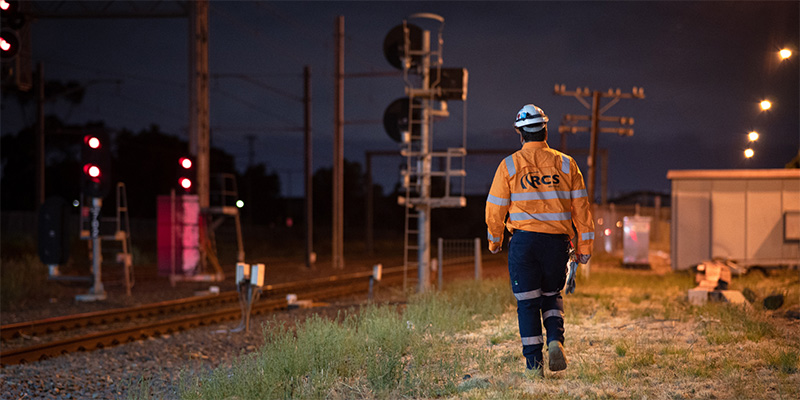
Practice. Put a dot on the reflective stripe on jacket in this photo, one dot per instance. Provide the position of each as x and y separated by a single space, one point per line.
541 190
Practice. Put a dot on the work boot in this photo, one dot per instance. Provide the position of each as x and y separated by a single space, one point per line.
555 351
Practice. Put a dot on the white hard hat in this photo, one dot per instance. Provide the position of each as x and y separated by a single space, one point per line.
529 114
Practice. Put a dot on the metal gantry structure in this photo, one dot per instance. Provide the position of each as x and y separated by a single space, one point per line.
569 121
422 74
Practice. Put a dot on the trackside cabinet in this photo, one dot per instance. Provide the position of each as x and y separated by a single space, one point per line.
178 235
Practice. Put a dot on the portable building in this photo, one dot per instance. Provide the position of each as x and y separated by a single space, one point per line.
749 216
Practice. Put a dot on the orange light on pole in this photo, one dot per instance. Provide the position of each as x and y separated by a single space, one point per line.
784 54
752 136
765 104
748 153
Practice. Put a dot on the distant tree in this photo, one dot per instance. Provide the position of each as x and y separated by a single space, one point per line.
354 195
62 152
18 171
71 92
261 194
146 162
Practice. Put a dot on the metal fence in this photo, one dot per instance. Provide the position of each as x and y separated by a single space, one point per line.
609 232
457 252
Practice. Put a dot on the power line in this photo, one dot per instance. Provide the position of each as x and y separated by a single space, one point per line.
251 105
260 84
116 73
246 28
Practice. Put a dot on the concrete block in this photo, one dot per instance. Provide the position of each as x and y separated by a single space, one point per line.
698 296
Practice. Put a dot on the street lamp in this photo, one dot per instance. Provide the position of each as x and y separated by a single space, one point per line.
748 153
753 136
765 104
785 53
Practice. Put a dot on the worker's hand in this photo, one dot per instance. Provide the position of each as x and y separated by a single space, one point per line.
583 258
497 250
570 286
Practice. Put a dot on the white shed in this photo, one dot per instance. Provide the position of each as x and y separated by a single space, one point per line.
750 216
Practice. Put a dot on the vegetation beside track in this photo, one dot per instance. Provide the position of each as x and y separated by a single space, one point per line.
630 334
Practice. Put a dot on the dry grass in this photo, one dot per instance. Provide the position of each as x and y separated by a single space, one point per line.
631 334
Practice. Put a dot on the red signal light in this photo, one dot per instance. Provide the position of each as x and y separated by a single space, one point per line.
9 44
185 162
92 170
92 141
185 183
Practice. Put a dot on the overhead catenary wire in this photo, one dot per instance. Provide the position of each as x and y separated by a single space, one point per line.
243 26
251 105
112 73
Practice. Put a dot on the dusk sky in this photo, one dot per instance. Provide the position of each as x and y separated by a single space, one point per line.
704 67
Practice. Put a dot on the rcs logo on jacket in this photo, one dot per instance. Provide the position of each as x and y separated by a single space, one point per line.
535 180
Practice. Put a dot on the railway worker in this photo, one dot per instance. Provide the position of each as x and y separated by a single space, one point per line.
543 193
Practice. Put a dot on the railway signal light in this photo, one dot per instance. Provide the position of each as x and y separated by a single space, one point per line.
96 162
187 174
394 46
15 45
12 21
396 120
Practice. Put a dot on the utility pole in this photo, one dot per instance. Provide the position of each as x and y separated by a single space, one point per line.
309 170
569 120
199 132
251 153
337 256
40 187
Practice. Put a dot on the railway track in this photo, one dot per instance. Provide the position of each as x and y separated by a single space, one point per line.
273 298
72 322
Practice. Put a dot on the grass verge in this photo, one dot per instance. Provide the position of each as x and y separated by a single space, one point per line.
629 335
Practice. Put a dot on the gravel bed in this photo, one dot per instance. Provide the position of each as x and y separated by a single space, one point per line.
115 372
163 362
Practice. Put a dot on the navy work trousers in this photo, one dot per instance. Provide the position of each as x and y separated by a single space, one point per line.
537 265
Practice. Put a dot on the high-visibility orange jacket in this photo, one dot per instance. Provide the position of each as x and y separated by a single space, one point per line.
541 190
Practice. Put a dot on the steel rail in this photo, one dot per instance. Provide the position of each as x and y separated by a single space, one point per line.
76 321
344 286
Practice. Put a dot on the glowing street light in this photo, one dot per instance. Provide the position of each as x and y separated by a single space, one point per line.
785 53
748 153
765 104
752 136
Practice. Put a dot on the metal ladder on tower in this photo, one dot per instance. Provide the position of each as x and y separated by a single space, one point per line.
119 234
411 184
122 235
